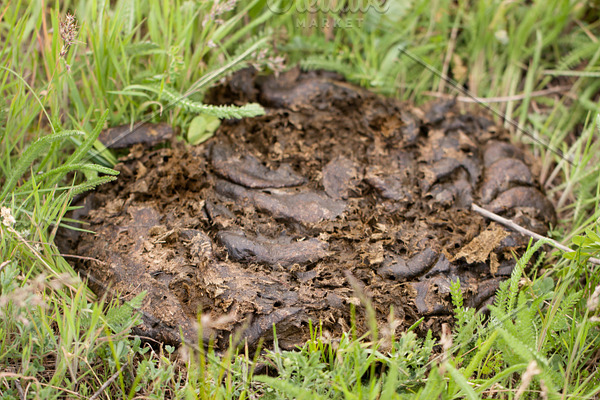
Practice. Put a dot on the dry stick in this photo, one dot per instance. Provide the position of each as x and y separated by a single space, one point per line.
82 258
20 389
4 264
108 382
587 31
511 224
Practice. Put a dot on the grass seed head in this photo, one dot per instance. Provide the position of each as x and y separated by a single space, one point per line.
68 33
7 217
219 7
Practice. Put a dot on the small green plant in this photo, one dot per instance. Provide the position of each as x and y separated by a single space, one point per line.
588 245
529 334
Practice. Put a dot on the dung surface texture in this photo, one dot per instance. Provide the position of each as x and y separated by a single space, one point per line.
333 196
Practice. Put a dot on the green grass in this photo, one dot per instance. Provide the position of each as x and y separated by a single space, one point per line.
133 60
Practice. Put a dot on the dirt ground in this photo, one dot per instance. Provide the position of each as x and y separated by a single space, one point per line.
334 194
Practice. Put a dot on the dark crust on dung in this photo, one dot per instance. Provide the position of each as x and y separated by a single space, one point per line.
146 134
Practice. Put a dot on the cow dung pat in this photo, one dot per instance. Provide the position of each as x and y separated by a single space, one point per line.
279 219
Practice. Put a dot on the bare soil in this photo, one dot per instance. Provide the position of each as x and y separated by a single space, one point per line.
336 193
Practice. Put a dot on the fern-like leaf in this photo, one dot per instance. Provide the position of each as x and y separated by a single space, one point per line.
466 319
527 354
583 51
65 169
517 273
222 112
124 314
90 184
229 111
288 388
524 319
35 150
561 322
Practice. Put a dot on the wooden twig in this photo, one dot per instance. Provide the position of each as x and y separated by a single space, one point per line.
512 225
587 31
108 382
20 390
82 258
4 264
